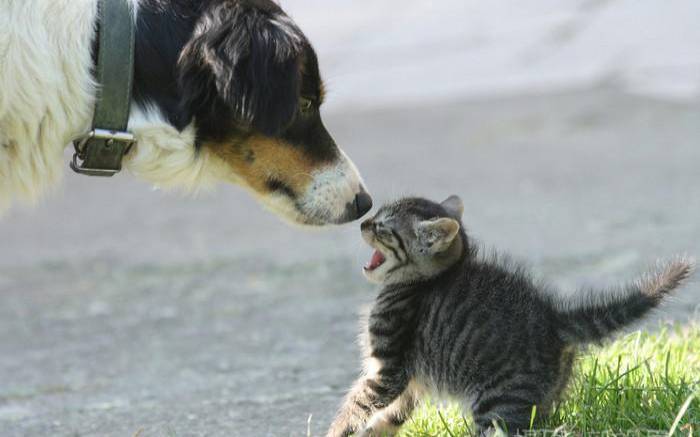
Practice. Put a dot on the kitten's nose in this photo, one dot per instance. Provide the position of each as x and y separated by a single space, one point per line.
363 203
366 225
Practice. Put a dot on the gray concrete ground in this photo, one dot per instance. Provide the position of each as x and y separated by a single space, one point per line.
127 311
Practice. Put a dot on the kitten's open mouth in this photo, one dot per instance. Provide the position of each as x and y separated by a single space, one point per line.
376 261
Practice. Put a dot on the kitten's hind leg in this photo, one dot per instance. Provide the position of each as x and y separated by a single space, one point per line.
386 423
511 419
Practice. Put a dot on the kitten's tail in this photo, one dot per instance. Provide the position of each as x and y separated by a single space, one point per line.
601 316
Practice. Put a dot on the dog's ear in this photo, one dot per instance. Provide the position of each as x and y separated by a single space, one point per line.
248 59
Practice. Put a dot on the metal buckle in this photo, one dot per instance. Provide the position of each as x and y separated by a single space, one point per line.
111 137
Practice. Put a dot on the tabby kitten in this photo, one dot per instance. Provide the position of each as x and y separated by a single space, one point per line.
475 329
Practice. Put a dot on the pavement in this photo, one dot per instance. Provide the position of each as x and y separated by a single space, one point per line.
128 311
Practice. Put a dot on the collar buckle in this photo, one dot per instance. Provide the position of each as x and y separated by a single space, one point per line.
100 152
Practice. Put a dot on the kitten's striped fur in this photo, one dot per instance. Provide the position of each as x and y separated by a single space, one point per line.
478 330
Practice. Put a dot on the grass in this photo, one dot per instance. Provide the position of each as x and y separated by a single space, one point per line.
643 384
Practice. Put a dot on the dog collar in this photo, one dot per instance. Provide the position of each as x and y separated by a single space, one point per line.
100 151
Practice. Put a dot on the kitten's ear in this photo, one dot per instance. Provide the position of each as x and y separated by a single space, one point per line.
454 206
438 234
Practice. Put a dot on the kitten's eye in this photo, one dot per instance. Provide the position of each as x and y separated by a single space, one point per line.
384 234
305 104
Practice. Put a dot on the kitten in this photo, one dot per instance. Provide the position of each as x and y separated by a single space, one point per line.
474 329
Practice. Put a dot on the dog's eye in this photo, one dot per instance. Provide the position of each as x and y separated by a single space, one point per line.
305 104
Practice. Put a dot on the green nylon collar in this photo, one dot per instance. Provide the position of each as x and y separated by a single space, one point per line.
102 149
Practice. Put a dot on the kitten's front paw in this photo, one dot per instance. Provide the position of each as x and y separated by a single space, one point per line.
367 432
340 431
376 432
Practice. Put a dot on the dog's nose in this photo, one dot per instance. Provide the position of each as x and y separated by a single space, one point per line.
363 203
357 207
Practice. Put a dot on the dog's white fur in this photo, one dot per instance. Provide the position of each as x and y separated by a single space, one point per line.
47 97
46 91
167 157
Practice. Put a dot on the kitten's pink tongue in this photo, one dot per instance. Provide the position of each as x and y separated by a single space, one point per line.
377 260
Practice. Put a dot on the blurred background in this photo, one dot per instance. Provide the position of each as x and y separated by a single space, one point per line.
571 129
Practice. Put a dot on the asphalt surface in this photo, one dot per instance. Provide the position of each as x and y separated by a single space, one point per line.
128 311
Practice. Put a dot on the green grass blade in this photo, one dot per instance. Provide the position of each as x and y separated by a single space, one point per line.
680 415
444 423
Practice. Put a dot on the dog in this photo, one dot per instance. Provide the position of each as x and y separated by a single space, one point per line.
224 91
